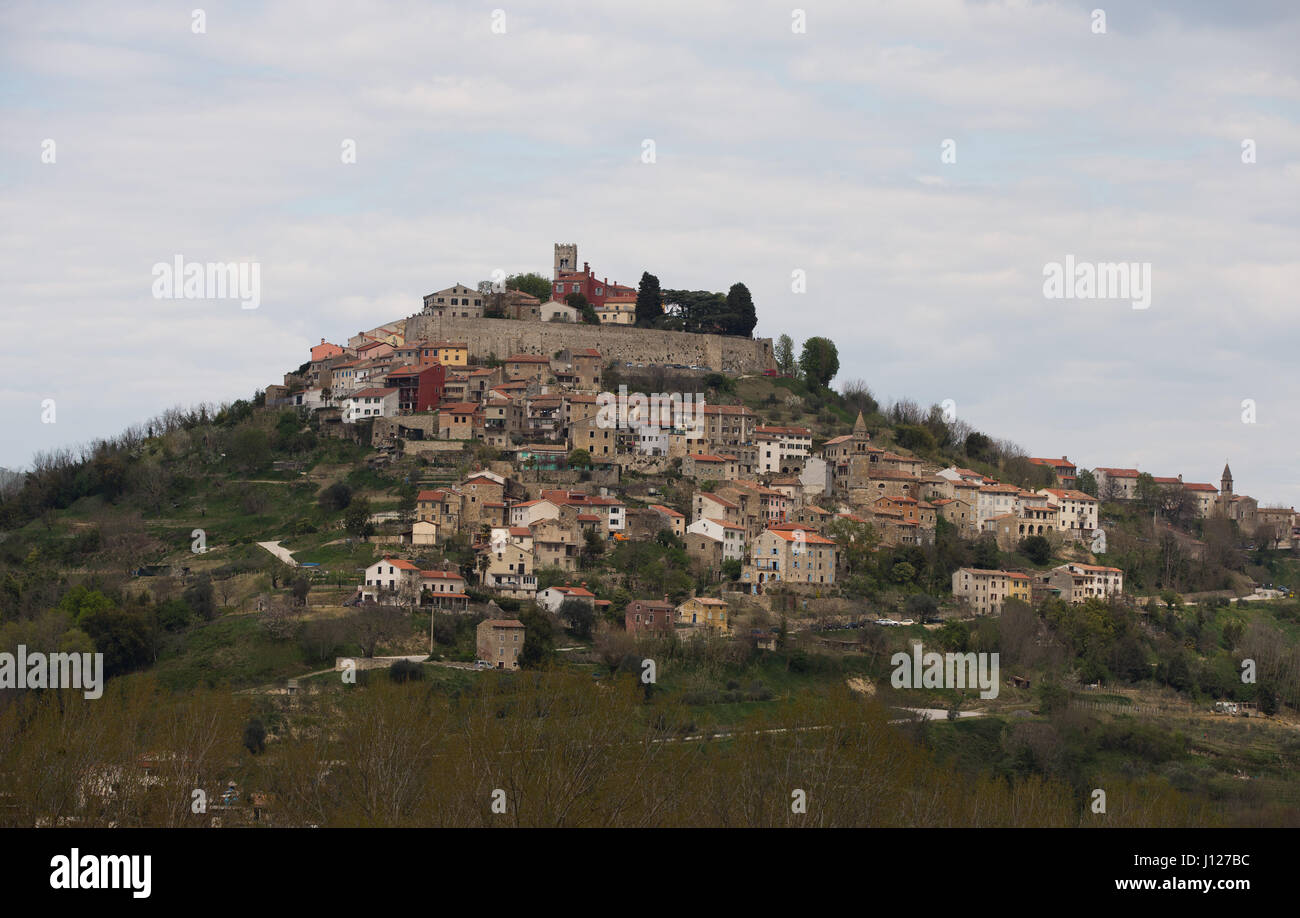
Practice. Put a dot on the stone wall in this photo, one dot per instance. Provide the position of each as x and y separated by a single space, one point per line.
504 337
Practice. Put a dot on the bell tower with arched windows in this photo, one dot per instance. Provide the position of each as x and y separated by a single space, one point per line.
566 258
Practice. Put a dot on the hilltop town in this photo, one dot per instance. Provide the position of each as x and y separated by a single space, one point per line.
773 516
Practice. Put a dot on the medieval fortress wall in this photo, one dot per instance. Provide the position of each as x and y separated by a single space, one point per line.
503 337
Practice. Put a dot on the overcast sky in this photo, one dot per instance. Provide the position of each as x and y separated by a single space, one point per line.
775 150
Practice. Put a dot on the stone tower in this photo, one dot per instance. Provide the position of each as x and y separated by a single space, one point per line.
566 258
859 458
1225 483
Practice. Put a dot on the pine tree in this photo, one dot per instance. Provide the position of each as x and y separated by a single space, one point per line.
649 300
740 311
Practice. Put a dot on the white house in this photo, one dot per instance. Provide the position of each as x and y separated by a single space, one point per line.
1078 510
424 532
553 311
953 473
995 500
731 536
369 403
533 511
311 399
815 477
445 589
387 576
777 445
552 598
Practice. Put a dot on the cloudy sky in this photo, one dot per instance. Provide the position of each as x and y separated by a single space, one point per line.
776 150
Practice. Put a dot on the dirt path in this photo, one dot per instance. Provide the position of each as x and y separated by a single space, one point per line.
280 552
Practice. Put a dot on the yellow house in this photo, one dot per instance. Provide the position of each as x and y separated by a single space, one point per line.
617 310
447 353
704 611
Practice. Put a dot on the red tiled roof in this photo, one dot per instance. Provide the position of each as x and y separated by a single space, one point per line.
787 532
1054 463
574 591
1068 494
400 564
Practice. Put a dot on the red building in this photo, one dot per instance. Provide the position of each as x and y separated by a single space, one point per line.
590 286
419 388
325 350
648 615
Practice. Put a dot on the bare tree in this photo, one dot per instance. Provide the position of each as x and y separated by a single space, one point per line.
376 623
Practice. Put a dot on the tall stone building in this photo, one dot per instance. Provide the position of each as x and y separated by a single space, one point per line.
848 458
566 259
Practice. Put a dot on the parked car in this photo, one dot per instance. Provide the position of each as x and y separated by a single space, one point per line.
483 664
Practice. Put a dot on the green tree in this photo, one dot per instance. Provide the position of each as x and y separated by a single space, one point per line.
902 573
785 362
1267 699
357 519
987 555
173 615
915 437
255 736
978 446
820 361
531 283
856 541
81 601
580 302
593 546
1036 548
740 309
578 616
202 598
336 497
699 311
122 636
579 459
649 301
539 638
249 449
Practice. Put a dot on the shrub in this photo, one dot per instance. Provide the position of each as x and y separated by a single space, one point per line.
405 671
255 736
336 497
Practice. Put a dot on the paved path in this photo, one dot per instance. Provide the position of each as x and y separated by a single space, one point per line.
936 714
280 552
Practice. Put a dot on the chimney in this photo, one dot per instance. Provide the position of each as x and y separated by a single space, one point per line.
665 597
